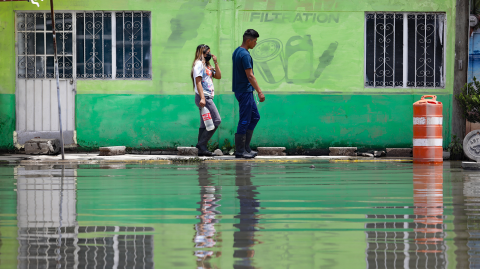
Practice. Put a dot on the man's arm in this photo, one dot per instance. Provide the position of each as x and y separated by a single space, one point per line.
253 81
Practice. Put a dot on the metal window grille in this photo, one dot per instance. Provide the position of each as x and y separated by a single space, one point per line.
132 44
405 50
104 43
94 44
113 42
35 45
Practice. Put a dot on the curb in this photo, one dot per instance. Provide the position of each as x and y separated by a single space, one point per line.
174 159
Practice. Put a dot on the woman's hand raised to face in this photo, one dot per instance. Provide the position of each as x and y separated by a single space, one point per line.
218 73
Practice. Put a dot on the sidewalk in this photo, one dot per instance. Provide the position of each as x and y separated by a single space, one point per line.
94 158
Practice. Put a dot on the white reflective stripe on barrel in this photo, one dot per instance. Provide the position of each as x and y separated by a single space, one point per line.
432 142
427 120
434 120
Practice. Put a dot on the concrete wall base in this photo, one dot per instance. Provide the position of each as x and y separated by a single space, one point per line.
271 151
471 165
343 151
42 146
399 152
112 151
187 151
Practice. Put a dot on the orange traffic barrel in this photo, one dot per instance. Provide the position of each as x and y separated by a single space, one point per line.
427 130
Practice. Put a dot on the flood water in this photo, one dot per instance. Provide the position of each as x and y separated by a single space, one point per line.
240 215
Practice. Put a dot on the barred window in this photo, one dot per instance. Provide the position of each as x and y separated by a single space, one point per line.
94 45
113 43
133 44
35 55
405 50
90 45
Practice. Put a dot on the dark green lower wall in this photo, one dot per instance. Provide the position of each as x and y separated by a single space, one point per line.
309 121
7 121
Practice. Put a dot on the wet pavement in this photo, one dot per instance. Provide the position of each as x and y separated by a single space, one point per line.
95 158
240 215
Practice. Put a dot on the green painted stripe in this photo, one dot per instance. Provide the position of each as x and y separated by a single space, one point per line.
7 120
308 121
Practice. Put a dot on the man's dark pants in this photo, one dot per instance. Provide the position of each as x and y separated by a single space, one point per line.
249 115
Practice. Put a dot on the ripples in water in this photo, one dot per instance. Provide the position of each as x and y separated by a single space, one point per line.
240 215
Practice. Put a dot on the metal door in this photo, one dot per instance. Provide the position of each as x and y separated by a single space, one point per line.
36 89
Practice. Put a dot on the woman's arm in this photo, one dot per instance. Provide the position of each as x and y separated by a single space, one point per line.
198 82
218 73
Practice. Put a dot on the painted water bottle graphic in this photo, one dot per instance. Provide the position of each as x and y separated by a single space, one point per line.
207 119
299 59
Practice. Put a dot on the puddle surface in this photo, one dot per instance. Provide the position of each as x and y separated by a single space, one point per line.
240 215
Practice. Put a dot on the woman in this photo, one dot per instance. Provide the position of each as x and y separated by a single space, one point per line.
202 74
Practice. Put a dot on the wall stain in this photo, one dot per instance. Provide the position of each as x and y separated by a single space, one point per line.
184 27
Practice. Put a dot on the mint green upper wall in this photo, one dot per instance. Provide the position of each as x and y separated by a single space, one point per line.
179 26
340 33
7 49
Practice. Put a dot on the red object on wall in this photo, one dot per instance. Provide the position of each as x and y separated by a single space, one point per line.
427 130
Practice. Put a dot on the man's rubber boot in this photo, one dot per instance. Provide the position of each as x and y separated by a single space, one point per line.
200 132
202 142
248 138
240 147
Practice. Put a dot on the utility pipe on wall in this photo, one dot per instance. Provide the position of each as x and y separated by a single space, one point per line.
56 76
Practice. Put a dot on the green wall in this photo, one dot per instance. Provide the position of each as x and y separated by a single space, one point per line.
307 120
321 102
7 76
7 120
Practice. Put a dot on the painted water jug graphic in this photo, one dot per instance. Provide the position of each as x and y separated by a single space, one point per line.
268 56
296 64
299 59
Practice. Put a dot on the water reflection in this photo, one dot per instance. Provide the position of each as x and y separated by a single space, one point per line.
208 216
471 191
46 217
244 239
49 235
206 236
421 243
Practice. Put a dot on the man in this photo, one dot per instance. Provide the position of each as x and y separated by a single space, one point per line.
243 85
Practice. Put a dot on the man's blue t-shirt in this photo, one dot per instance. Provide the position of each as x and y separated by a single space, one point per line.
241 61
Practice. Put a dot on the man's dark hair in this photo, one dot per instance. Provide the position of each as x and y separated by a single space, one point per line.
250 34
